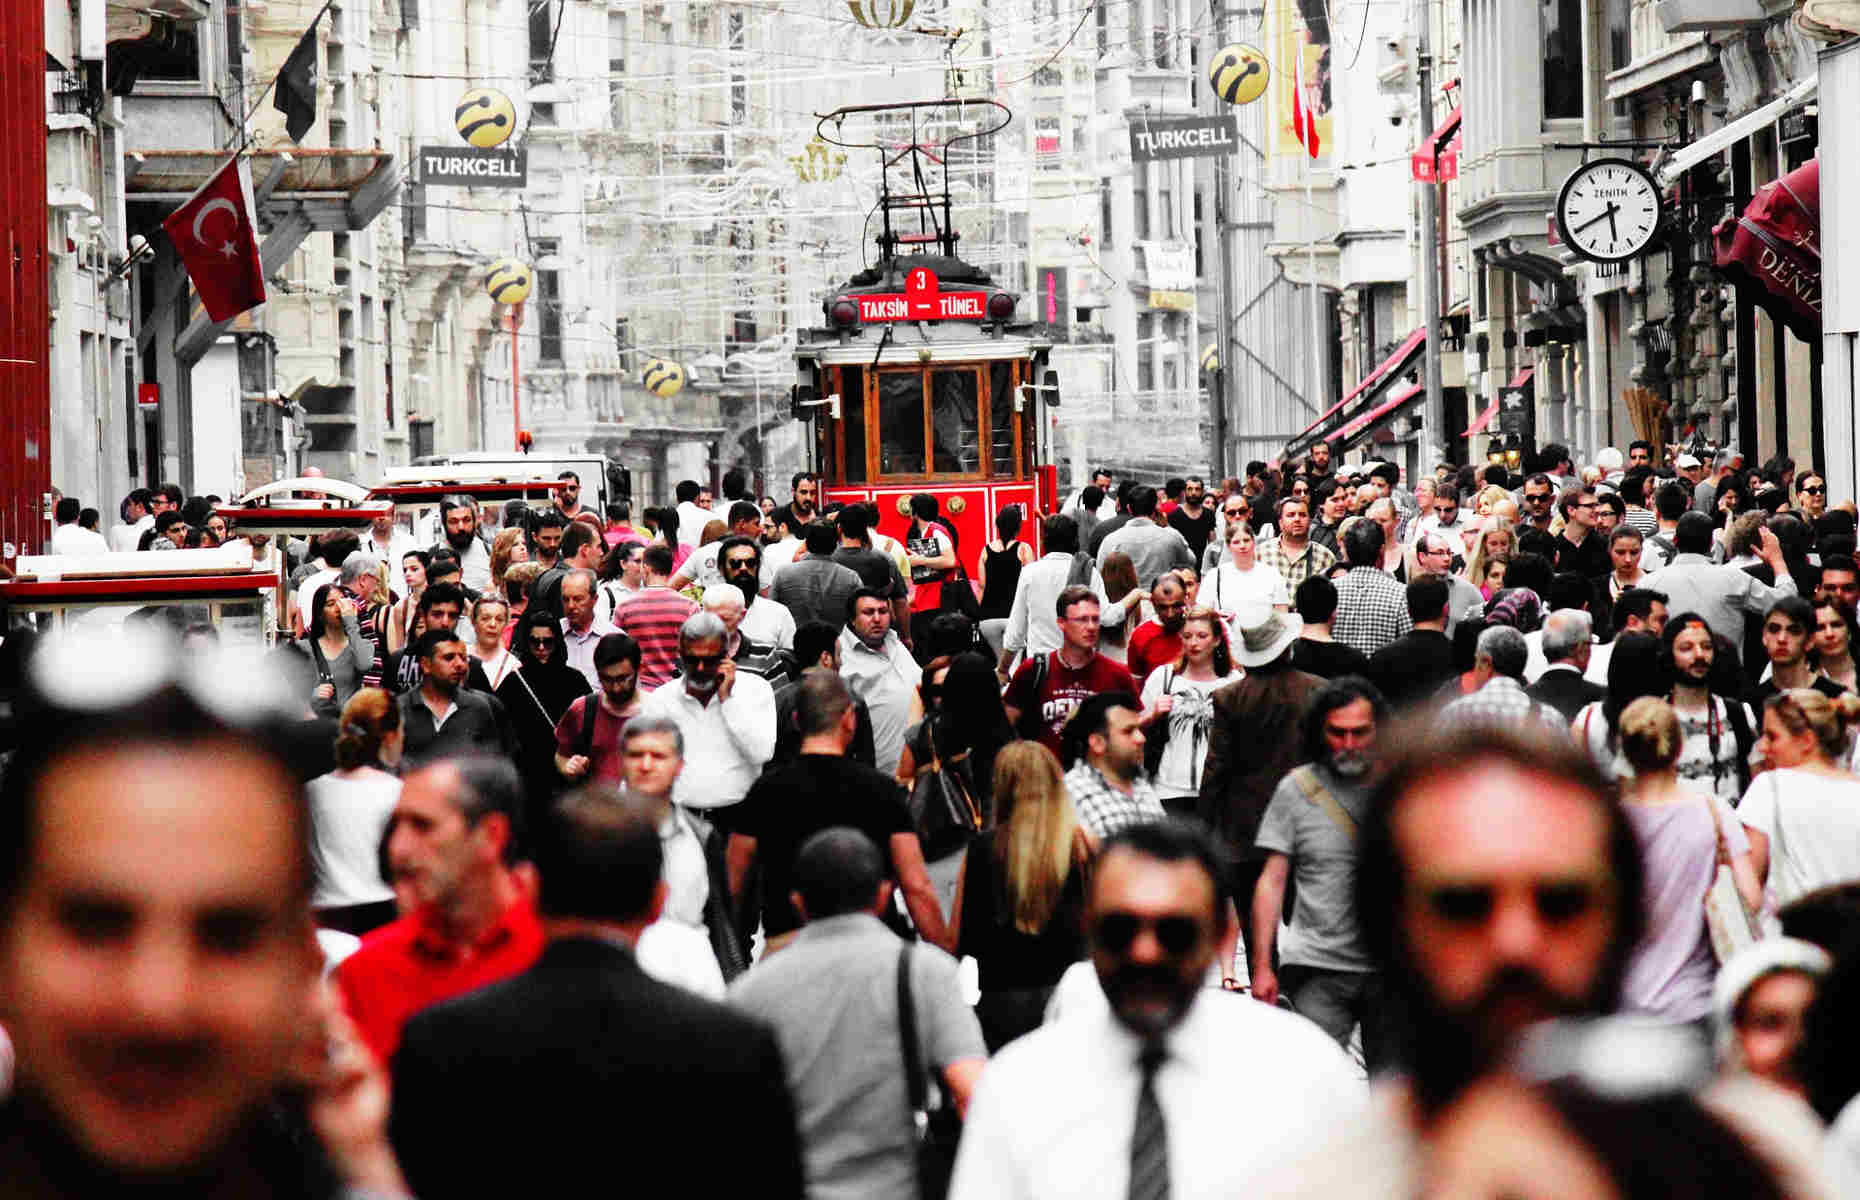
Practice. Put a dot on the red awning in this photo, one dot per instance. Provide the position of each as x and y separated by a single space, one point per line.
1397 361
1483 421
1381 414
1522 378
1774 249
1438 159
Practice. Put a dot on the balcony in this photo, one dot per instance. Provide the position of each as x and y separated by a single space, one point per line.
1695 16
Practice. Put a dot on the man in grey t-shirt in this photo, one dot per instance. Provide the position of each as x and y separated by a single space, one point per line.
1309 833
831 996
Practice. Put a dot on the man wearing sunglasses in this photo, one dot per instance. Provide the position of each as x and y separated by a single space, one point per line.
727 717
1138 1099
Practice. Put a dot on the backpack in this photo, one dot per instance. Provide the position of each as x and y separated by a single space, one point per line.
1082 567
1031 726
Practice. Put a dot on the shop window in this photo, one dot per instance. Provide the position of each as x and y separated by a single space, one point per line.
1562 30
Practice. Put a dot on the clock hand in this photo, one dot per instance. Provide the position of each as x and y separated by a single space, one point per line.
1613 232
1607 214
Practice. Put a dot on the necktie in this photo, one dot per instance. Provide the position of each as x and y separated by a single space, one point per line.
1149 1139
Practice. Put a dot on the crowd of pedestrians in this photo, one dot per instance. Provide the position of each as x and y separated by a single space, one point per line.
1316 833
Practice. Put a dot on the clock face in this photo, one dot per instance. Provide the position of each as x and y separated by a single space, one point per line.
1608 210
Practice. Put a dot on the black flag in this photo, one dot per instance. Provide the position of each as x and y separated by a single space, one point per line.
296 90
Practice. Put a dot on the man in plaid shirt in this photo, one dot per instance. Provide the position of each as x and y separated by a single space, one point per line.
1502 700
1372 608
1106 783
1293 554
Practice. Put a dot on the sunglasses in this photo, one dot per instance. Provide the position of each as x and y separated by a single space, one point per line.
1543 499
1116 932
1472 904
542 643
1814 491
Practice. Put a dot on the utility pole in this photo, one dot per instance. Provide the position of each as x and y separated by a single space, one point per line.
1433 419
1218 399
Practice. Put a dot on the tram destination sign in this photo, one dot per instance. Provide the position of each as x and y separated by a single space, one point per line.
472 166
921 300
1189 137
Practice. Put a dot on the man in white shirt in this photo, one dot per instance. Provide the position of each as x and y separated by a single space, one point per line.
582 630
701 566
137 521
740 563
1138 1099
1107 505
693 510
881 672
71 538
460 518
387 541
1033 627
726 716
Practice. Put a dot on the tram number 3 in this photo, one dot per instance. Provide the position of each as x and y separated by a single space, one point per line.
923 301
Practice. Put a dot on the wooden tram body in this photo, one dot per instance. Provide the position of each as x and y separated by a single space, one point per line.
920 379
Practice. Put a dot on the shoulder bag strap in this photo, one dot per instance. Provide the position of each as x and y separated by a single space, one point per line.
323 674
1307 781
914 1082
533 698
590 702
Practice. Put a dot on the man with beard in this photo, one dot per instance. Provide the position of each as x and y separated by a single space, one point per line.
442 716
453 843
740 563
1139 1099
1716 733
1498 884
1194 518
1309 838
588 737
460 516
1158 643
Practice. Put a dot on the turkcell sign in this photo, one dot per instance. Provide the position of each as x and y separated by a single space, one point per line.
1189 137
472 166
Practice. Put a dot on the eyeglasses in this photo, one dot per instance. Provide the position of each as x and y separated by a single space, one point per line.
1584 504
1176 935
1558 902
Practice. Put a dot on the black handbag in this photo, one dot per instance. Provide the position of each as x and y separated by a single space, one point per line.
934 1132
944 809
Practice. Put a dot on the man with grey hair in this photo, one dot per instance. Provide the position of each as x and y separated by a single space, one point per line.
1567 648
727 717
361 578
582 631
725 602
1502 700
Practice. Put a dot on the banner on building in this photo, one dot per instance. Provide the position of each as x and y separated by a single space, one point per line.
471 166
1188 137
1053 303
1301 51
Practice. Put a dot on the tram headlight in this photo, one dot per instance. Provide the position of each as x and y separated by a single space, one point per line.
1000 306
845 313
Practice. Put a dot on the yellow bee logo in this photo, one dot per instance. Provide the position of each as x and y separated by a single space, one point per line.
1239 73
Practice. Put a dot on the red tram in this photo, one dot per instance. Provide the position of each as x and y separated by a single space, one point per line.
921 379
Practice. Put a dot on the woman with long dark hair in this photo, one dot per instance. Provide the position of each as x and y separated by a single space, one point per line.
349 812
964 716
1002 560
535 695
336 647
1636 668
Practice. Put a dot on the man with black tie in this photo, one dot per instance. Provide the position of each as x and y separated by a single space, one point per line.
583 1062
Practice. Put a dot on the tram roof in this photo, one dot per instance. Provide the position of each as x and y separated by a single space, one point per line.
914 342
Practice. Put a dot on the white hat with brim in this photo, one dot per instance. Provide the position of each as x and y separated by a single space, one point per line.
1261 637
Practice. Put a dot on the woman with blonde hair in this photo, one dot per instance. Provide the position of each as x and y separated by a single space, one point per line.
1803 813
1020 904
1499 539
511 547
349 812
1683 836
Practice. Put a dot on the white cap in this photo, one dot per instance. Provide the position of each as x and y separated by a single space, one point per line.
1608 459
1686 462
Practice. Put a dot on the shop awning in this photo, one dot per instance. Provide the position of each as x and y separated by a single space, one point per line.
1438 159
1522 379
1398 361
1719 140
1404 397
1483 421
1774 249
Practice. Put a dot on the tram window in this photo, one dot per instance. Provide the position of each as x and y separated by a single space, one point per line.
1001 419
955 422
900 423
852 420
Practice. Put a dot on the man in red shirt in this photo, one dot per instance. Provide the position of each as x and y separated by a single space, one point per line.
587 744
452 844
1158 643
1047 689
652 616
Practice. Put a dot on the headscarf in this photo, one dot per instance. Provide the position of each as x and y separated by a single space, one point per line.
1517 607
1752 965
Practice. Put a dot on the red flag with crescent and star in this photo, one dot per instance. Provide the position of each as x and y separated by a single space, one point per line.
214 235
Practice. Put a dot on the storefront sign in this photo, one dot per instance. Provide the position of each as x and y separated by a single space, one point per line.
1169 265
470 166
1171 300
1190 137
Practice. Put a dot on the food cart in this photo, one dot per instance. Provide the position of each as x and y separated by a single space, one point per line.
56 594
297 508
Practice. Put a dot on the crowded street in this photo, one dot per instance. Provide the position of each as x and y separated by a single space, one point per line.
917 600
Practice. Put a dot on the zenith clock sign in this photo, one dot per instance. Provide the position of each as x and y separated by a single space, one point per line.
1609 210
922 300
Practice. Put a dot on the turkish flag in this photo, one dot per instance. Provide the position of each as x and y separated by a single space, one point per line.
214 235
1304 122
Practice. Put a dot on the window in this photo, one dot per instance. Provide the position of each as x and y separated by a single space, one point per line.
548 304
179 59
1146 353
743 328
1104 213
1562 30
1001 420
1140 200
545 16
1165 200
1200 272
623 334
616 68
419 439
413 213
739 85
852 422
935 415
1104 29
955 422
900 423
